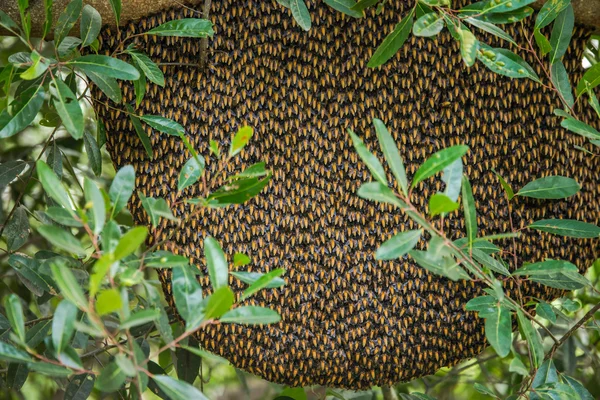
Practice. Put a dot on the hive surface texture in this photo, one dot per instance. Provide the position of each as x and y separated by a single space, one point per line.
347 319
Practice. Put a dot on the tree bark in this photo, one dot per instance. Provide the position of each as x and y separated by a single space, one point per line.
587 12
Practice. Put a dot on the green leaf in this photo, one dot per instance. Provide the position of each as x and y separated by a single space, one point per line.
11 354
187 293
39 66
491 28
581 391
164 125
550 187
251 315
495 6
139 130
432 261
469 211
562 30
149 67
509 17
534 341
240 259
505 62
452 177
121 188
130 242
557 274
139 87
140 318
156 209
30 104
438 161
240 140
165 259
346 7
49 369
468 46
483 390
68 108
368 158
239 191
517 366
484 305
560 79
549 12
544 310
216 263
177 390
428 25
362 5
17 229
62 239
109 86
93 152
251 277
542 42
111 378
108 301
91 22
590 80
105 65
300 13
391 154
219 303
377 192
253 171
441 204
185 27
263 282
191 172
581 128
67 20
498 330
52 185
14 312
214 148
399 245
567 227
116 7
7 22
68 285
94 198
63 324
490 262
393 42
10 170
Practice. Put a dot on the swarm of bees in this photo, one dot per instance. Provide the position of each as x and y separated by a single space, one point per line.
347 319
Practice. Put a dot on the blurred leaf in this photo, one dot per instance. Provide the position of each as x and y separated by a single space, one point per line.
469 211
532 336
10 170
69 287
510 16
567 227
139 87
239 191
517 366
7 22
164 125
30 102
251 277
393 41
484 305
251 315
156 209
240 140
440 265
11 354
63 324
581 128
216 263
14 312
62 216
187 292
68 46
581 391
130 242
391 154
177 390
428 25
30 270
52 186
562 30
91 22
38 67
149 67
399 245
188 362
17 229
439 203
550 187
121 188
558 274
240 259
484 390
505 62
490 262
93 152
108 301
498 329
542 42
345 6
116 7
140 318
546 373
590 79
377 192
191 172
162 322
214 148
109 86
93 196
165 259
16 375
299 12
545 311
67 20
263 282
468 46
37 333
111 378
62 239
452 177
549 12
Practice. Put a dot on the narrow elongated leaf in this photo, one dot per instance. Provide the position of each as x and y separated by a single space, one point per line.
11 354
14 312
251 315
438 161
121 188
251 277
93 151
156 209
10 170
557 274
567 227
490 262
542 42
581 128
439 203
509 17
490 28
393 42
562 30
391 153
240 140
187 293
533 339
549 12
345 6
452 177
498 329
216 263
469 211
67 20
130 242
91 22
17 229
39 66
139 130
63 324
263 282
185 27
377 192
550 187
164 125
111 378
116 7
109 86
504 62
239 191
300 13
468 46
191 172
140 318
398 245
177 390
62 239
560 79
544 310
219 303
69 287
30 103
444 266
428 25
368 158
105 65
149 67
53 186
590 80
95 198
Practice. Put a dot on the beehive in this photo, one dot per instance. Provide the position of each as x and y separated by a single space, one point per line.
348 320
